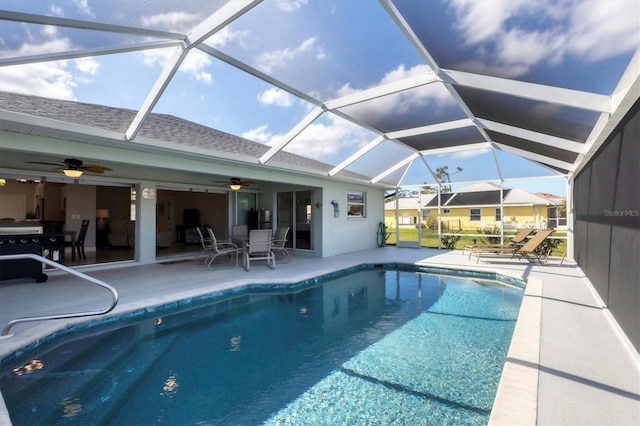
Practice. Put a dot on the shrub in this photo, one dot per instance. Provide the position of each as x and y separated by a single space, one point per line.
449 241
432 222
491 239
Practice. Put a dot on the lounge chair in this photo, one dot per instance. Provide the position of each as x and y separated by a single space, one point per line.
259 248
221 248
528 250
516 239
279 242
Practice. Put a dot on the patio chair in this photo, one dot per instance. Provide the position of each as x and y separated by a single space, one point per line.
259 247
220 248
279 242
516 239
206 249
239 234
526 251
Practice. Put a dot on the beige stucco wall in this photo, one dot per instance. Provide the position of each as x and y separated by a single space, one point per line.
514 217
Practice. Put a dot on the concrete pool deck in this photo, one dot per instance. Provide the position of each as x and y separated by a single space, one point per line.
567 364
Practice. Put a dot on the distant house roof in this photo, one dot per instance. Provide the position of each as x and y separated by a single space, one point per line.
487 194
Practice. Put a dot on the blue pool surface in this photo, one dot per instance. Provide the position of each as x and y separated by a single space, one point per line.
369 347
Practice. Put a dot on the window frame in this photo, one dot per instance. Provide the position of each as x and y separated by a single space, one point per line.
472 215
353 198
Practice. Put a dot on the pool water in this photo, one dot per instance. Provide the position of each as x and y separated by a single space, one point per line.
371 347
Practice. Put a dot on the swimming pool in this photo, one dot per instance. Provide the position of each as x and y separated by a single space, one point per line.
375 346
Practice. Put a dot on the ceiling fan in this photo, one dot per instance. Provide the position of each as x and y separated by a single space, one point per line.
72 167
235 183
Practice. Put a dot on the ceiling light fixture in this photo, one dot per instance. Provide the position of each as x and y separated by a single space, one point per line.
235 186
72 173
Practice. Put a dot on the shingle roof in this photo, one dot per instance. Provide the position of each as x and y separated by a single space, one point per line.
163 127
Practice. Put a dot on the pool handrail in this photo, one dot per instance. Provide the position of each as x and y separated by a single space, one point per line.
114 293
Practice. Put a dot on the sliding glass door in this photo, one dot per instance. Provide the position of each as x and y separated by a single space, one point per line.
294 210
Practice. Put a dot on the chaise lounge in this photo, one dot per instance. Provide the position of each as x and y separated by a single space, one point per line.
528 250
516 239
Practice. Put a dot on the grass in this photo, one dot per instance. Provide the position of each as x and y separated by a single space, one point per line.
430 238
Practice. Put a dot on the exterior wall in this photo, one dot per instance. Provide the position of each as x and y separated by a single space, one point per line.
459 217
344 234
522 216
607 223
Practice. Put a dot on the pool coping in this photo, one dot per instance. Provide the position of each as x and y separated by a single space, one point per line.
516 396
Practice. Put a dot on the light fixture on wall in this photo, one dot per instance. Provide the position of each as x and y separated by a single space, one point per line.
3 181
72 173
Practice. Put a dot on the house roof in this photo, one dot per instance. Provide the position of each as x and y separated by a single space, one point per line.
182 134
526 81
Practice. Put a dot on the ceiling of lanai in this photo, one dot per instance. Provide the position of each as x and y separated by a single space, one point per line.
388 90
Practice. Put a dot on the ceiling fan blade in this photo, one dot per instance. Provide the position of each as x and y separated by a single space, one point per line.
46 164
95 168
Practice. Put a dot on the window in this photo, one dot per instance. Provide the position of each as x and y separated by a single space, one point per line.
474 215
498 215
426 214
355 204
446 211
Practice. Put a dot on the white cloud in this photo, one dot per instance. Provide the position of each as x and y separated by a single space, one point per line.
317 140
290 5
180 22
277 59
83 5
87 65
43 79
602 29
275 96
194 64
52 79
259 134
589 29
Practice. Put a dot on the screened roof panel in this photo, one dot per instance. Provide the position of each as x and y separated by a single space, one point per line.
165 15
549 119
281 38
446 139
329 137
381 158
513 166
421 106
335 81
536 148
465 165
578 45
220 96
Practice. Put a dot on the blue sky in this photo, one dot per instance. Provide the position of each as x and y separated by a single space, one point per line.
328 48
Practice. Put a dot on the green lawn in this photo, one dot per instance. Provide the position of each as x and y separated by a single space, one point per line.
431 241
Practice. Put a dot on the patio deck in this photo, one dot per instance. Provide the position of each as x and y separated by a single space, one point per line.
568 362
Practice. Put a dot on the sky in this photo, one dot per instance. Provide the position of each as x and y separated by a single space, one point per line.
329 49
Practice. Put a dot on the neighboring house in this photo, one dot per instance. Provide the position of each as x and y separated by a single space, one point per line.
478 207
408 210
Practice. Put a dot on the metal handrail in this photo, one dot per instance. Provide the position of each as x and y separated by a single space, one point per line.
114 293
